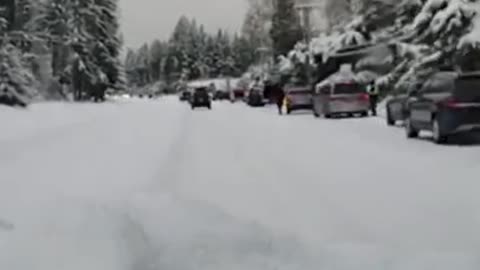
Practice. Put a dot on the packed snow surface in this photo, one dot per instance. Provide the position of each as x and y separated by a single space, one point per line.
141 184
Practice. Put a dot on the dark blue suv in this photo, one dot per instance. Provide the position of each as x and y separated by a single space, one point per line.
448 103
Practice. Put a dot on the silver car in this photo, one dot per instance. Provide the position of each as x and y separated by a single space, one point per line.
340 96
298 98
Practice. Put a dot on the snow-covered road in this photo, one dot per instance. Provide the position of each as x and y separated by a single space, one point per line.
143 185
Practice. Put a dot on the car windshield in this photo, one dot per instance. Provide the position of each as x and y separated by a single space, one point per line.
239 135
298 90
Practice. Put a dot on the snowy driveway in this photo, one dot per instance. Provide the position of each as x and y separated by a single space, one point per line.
153 185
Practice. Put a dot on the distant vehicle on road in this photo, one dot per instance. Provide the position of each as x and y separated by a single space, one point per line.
220 94
447 104
298 98
255 97
201 98
185 95
340 94
237 94
238 90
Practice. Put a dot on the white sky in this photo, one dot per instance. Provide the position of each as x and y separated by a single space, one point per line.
145 20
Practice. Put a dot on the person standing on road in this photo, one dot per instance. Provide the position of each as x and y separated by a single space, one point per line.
373 92
279 96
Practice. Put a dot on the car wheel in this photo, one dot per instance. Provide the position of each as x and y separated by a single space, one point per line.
364 114
438 136
411 132
390 121
328 115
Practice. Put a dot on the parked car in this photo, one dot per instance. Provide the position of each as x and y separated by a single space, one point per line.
396 107
237 93
220 95
238 90
447 104
340 95
255 97
298 98
185 95
201 98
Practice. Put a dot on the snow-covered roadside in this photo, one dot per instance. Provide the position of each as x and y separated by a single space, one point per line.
65 184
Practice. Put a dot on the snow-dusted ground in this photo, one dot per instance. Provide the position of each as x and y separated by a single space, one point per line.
141 184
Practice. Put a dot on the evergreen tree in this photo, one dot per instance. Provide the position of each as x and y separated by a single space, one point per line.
157 53
179 43
286 30
8 9
108 43
243 54
258 22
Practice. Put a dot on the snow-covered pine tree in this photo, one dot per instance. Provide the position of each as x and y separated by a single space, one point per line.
54 26
202 51
8 9
157 53
84 33
443 25
286 30
108 43
129 70
257 23
179 43
23 13
15 74
142 64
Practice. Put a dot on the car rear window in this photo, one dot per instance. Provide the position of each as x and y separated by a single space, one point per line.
468 89
299 91
350 88
201 90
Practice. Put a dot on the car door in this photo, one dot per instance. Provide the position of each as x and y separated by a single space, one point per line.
396 104
419 105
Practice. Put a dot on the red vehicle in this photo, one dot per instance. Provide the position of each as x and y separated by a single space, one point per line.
239 90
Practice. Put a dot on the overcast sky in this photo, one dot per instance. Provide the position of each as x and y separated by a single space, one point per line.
145 20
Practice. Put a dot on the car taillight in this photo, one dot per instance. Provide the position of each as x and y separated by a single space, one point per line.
451 103
364 97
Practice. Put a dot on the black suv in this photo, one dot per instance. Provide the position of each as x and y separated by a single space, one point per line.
448 103
255 97
201 98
